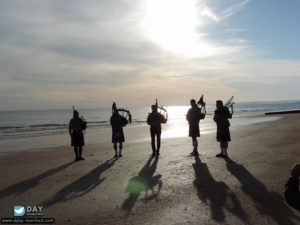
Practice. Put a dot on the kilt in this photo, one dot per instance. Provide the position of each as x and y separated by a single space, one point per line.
77 139
223 134
194 130
117 137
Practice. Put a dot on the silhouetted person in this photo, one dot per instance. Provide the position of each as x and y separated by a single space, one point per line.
155 119
117 123
292 194
193 116
221 117
76 128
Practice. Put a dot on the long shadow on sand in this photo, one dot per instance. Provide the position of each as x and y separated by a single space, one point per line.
81 186
268 203
144 182
216 193
23 186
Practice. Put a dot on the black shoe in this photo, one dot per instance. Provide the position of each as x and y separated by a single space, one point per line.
221 155
76 159
80 158
157 153
120 155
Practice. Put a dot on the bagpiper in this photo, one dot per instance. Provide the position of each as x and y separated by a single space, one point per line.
222 114
76 127
117 123
155 119
193 116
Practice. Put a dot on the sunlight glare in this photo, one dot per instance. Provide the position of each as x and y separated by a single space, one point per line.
172 24
177 125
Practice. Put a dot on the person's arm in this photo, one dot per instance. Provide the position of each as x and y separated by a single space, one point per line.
70 127
83 124
228 114
216 116
188 115
149 121
201 115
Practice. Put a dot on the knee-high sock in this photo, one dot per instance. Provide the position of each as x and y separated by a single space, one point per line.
80 152
120 149
116 149
158 142
195 144
224 151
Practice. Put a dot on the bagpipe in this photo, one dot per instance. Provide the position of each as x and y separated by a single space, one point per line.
84 125
202 105
162 110
125 114
229 104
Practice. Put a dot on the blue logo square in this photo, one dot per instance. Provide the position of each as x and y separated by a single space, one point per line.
19 210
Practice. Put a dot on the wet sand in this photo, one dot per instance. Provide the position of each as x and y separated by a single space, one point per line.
174 188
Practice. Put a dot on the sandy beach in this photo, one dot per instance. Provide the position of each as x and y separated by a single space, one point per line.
174 188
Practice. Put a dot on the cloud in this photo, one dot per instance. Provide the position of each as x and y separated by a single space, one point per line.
238 41
56 53
208 13
232 30
233 9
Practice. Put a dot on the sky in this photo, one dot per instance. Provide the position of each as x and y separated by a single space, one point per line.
58 53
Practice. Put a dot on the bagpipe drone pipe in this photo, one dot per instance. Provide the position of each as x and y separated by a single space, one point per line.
124 114
162 110
229 104
202 105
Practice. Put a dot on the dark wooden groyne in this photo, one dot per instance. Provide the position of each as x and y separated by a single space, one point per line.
283 112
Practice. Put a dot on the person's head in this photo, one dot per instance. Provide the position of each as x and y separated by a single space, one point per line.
154 108
75 114
193 102
219 104
295 172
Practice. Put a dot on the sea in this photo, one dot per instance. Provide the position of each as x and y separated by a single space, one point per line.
36 129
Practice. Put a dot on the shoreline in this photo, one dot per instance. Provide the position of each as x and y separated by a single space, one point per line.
133 134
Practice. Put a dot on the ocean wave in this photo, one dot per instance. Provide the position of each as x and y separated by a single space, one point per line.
98 122
48 125
10 127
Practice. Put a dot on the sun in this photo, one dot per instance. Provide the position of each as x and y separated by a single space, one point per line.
173 25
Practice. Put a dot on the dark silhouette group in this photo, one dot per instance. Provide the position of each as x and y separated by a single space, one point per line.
117 121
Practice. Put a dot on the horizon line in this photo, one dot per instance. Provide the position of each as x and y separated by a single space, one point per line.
89 108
